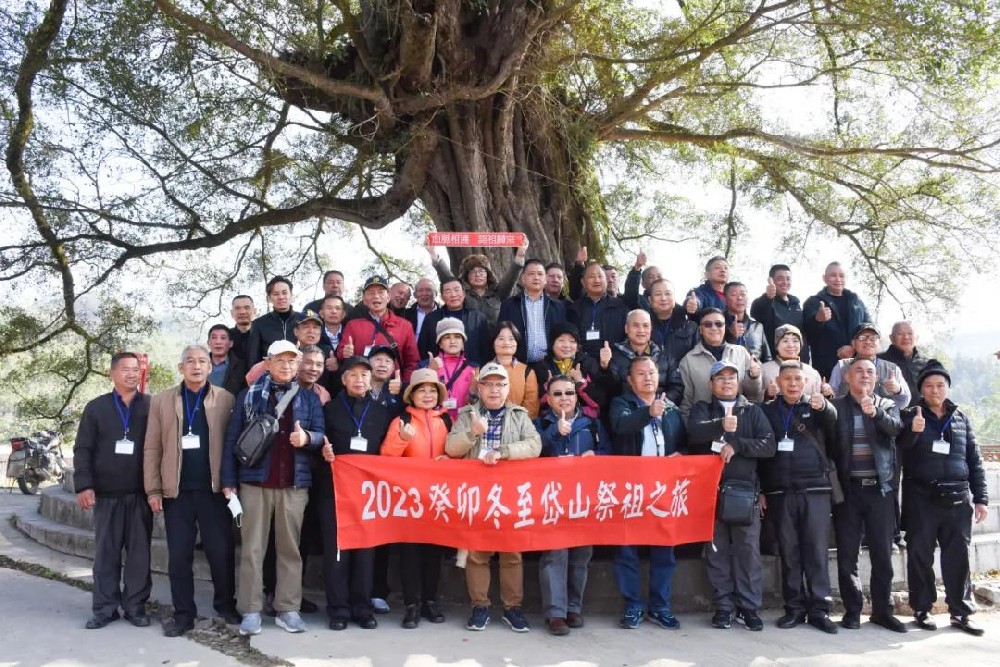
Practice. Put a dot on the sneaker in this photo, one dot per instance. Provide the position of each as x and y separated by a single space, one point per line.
631 619
965 624
750 619
722 620
380 606
250 625
925 621
290 621
479 620
514 618
664 619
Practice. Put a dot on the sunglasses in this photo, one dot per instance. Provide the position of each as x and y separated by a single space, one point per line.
560 394
715 324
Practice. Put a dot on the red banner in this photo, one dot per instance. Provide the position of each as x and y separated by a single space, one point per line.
529 505
476 239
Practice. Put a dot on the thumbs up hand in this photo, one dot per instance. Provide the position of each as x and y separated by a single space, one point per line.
640 261
581 255
328 455
826 389
605 356
753 368
349 348
824 314
918 421
868 406
657 407
564 425
331 362
298 437
729 422
406 431
691 304
772 388
396 384
479 425
816 401
433 363
771 290
892 386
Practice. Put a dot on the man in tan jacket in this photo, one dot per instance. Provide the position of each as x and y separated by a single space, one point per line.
181 463
494 430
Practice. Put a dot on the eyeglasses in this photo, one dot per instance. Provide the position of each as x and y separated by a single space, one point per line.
714 324
492 385
870 338
284 362
560 394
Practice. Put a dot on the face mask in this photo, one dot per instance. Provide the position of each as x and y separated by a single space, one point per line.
236 509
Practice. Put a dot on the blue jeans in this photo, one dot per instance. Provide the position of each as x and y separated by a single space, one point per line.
661 574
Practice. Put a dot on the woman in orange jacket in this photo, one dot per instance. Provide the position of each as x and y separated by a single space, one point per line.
420 432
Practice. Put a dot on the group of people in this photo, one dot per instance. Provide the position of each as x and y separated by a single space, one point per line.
815 427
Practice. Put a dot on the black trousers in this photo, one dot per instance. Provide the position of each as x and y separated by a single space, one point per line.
420 571
928 525
380 571
187 515
347 574
121 523
803 526
865 511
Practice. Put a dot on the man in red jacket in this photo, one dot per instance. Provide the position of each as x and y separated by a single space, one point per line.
379 326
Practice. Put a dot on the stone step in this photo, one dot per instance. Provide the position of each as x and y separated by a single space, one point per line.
59 505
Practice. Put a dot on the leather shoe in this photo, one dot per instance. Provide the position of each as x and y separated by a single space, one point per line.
139 620
338 623
366 622
431 612
965 624
98 622
173 628
823 623
230 616
308 606
791 620
925 621
574 620
557 626
411 617
851 621
889 622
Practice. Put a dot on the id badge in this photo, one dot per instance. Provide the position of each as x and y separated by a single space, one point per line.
359 444
941 446
450 404
593 334
124 446
786 445
190 441
368 350
718 445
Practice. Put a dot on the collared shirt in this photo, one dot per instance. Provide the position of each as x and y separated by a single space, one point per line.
217 376
535 338
494 429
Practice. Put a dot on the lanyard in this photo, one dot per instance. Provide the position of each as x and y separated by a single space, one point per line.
947 423
192 412
450 378
350 411
593 316
126 415
786 422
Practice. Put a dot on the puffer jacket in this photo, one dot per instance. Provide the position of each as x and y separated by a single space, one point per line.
964 461
676 336
428 441
882 430
585 435
669 381
629 417
753 439
804 469
518 437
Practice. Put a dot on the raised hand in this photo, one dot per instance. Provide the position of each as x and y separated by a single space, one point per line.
772 388
753 369
298 437
564 424
406 431
729 422
892 385
640 260
816 401
824 314
771 290
349 347
479 425
581 255
522 250
575 374
826 389
737 329
396 384
605 355
691 303
331 362
433 363
918 422
868 406
328 454
657 407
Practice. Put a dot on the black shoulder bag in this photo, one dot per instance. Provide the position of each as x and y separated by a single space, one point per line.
259 432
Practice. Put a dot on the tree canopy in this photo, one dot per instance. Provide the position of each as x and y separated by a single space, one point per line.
140 134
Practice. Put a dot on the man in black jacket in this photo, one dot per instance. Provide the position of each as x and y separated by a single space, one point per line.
941 466
904 353
228 370
740 434
599 316
797 494
865 454
273 326
829 319
478 348
108 478
638 329
776 306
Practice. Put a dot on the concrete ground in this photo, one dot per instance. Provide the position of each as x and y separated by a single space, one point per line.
43 625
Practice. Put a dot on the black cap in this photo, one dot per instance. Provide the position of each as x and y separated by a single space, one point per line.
376 281
351 362
933 367
865 326
384 349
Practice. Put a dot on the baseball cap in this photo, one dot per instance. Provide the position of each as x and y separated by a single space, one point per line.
283 347
351 362
865 326
720 366
376 281
493 368
310 316
383 349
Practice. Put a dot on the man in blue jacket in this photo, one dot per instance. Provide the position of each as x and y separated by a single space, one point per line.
275 488
830 318
646 423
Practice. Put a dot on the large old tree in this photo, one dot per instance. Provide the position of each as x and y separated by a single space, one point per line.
141 134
